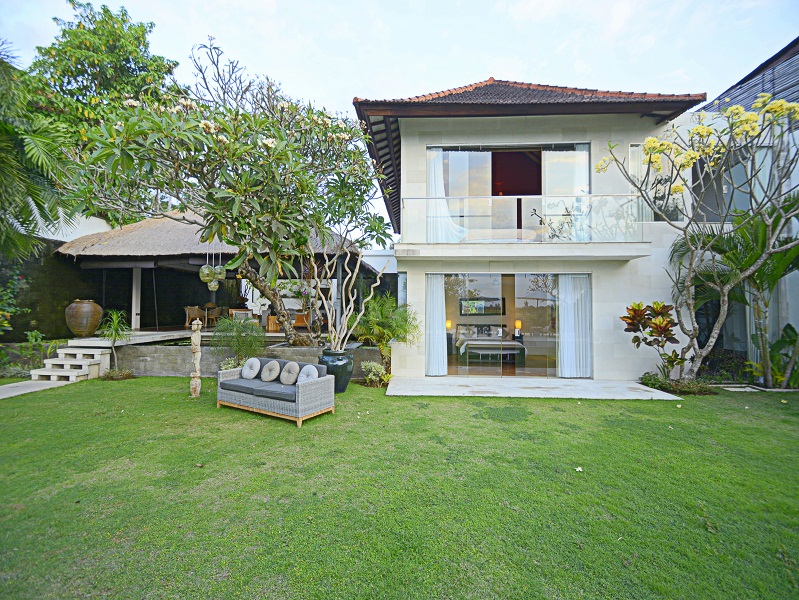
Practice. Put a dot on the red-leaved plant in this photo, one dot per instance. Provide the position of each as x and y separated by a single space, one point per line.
653 325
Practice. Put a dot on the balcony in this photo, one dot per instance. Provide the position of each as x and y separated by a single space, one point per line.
523 220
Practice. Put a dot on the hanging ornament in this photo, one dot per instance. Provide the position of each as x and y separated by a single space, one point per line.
206 271
220 273
213 285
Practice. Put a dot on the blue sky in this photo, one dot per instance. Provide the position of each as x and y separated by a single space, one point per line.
330 52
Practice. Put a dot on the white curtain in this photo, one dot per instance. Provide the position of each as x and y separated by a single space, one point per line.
441 229
574 326
435 331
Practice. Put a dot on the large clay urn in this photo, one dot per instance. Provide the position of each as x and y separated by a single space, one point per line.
83 317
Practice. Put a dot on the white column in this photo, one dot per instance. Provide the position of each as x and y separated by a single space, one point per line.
135 300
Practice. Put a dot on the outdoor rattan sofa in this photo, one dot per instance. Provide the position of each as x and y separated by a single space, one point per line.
296 402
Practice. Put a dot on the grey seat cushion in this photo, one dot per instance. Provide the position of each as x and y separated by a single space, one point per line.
245 386
278 391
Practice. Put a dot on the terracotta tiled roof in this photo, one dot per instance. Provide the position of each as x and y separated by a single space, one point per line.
495 91
497 98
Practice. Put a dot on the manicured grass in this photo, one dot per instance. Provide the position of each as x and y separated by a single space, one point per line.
131 489
7 380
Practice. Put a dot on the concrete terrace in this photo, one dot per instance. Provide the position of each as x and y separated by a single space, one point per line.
524 387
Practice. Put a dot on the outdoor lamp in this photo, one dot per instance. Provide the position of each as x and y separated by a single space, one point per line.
449 324
518 324
220 273
213 285
206 273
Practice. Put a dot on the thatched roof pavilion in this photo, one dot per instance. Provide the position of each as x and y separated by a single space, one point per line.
161 244
154 242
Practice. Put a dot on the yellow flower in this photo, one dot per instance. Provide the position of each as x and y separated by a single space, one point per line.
677 188
687 160
701 131
762 100
654 160
602 165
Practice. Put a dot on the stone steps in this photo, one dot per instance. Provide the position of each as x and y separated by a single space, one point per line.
74 364
70 375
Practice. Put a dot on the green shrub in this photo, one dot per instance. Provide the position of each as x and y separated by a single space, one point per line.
384 321
375 374
231 363
681 387
117 374
244 338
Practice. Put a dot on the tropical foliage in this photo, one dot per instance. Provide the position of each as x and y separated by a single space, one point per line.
734 249
245 163
96 61
726 175
30 154
244 339
653 326
115 328
384 321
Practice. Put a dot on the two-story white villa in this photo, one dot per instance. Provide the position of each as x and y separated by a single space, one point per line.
518 258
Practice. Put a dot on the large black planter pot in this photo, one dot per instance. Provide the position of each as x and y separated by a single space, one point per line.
339 363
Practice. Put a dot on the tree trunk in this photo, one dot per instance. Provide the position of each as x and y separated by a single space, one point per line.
700 354
761 333
283 317
790 366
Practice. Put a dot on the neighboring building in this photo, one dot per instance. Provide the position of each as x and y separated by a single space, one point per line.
778 76
518 259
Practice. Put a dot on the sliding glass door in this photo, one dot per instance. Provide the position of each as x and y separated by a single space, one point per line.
492 325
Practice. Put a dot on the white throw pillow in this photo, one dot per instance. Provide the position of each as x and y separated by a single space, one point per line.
307 373
250 368
288 376
271 371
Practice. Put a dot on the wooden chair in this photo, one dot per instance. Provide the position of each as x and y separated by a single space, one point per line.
213 315
240 314
193 312
302 320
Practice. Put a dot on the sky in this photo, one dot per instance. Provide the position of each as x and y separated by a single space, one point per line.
330 52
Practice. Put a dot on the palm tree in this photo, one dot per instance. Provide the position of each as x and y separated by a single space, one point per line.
116 329
734 249
30 154
383 321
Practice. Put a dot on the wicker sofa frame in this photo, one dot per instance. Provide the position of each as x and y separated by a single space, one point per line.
313 397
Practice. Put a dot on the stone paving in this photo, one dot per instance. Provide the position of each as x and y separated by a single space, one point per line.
10 390
524 387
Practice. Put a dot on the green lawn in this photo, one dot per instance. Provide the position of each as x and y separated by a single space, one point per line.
6 380
131 489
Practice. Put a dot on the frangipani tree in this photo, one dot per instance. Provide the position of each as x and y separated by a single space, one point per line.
244 163
724 175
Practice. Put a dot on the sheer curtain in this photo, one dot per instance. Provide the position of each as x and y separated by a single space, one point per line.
574 326
435 326
441 228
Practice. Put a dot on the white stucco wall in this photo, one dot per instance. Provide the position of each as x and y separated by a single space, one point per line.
615 283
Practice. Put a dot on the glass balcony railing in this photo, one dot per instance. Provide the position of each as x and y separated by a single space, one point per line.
522 219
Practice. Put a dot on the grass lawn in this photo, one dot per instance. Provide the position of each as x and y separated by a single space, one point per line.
131 489
6 380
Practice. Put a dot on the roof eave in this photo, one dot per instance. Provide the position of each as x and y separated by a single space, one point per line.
455 109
